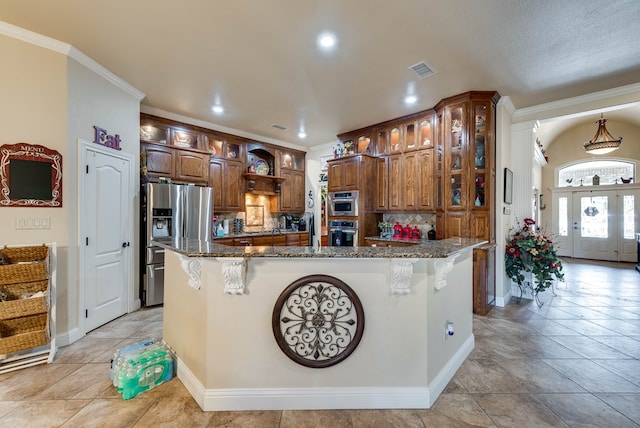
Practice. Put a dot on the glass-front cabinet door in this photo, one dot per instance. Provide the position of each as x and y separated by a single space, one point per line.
455 163
425 133
480 154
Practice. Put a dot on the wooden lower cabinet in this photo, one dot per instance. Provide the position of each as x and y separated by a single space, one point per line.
286 239
484 279
480 222
455 224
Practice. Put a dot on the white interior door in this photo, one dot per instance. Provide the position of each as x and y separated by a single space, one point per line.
105 217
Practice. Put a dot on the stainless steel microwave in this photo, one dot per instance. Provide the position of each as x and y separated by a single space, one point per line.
343 204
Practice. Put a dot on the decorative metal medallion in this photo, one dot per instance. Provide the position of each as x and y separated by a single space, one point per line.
318 321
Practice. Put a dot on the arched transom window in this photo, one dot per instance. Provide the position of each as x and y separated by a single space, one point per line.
607 171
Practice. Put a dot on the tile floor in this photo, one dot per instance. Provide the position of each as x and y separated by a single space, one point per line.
574 362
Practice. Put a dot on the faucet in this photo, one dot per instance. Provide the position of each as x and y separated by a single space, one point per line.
274 231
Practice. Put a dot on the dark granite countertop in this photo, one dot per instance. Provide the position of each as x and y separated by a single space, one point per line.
424 249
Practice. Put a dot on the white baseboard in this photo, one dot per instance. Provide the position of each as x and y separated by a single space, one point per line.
237 399
68 337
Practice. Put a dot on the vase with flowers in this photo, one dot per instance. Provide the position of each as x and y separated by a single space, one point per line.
530 251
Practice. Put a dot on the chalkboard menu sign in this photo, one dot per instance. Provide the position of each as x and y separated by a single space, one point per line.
30 176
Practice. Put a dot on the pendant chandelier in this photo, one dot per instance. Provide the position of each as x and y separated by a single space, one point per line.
602 142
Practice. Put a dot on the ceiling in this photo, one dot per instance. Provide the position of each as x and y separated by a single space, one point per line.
260 61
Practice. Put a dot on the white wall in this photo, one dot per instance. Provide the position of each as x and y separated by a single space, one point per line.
52 95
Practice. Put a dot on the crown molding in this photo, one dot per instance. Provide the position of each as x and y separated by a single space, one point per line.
215 127
507 104
578 101
66 49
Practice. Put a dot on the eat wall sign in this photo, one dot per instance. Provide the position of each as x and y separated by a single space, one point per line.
102 137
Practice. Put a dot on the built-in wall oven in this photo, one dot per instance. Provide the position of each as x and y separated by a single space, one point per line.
343 204
343 233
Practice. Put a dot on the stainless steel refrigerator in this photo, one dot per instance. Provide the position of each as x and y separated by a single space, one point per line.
169 211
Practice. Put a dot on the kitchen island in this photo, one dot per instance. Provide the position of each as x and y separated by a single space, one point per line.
318 328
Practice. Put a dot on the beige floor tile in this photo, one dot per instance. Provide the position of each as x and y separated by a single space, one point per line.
455 410
537 376
110 413
627 404
518 410
119 329
487 375
587 347
43 413
400 418
316 419
88 382
627 345
584 410
249 419
626 368
175 412
592 377
84 350
27 383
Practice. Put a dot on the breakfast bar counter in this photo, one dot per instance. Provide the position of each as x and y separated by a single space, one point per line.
267 328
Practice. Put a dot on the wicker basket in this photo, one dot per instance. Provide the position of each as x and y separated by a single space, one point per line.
23 321
23 272
23 254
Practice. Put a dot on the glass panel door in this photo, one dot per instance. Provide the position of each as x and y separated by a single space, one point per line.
594 233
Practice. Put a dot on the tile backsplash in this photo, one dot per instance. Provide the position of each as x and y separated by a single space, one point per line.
425 222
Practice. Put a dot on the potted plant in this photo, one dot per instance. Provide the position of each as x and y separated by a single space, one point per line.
529 251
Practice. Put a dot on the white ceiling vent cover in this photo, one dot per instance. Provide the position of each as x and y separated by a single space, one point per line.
280 127
423 69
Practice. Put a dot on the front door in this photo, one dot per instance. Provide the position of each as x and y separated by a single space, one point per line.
603 224
594 225
105 219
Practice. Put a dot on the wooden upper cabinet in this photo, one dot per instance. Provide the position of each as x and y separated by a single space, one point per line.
343 174
426 132
159 160
186 139
152 131
234 186
216 180
358 142
395 140
395 183
410 136
191 167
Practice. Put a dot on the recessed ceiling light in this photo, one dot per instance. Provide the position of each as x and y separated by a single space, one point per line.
218 109
410 99
302 134
327 40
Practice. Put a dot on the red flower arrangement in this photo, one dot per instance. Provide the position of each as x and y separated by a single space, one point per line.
528 251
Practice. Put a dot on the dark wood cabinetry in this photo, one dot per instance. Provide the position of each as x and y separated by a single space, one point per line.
230 164
291 167
225 176
484 280
344 173
438 161
466 165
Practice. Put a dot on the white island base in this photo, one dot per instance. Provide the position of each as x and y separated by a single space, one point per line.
228 358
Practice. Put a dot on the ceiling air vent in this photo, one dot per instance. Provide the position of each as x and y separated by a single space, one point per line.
280 127
422 69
